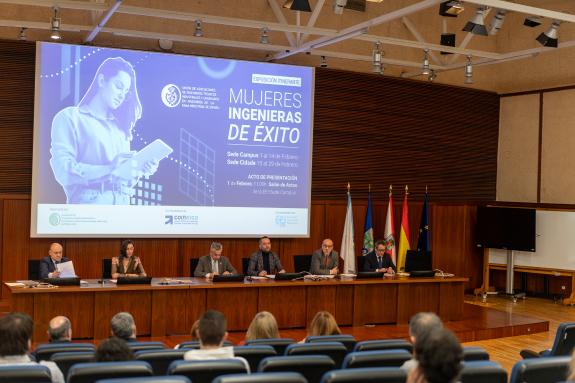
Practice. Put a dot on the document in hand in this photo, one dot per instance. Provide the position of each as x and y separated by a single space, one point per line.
66 269
134 166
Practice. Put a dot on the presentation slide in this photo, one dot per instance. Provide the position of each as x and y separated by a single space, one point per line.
133 143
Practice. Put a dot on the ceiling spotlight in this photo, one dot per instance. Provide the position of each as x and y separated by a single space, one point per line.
432 75
532 21
298 5
468 71
477 24
198 32
264 39
497 21
549 38
451 8
338 6
425 67
323 62
22 35
55 24
376 54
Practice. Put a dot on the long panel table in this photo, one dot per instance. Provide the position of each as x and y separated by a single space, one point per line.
162 309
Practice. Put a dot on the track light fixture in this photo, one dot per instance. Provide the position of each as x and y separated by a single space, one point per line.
264 39
451 8
432 75
468 71
477 24
198 31
22 34
298 5
532 21
425 67
550 37
497 21
323 63
55 25
376 55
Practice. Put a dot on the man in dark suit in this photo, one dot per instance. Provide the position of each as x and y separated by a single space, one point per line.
265 261
48 264
378 260
325 261
214 263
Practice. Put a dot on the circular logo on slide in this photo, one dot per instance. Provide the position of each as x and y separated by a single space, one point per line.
171 95
54 219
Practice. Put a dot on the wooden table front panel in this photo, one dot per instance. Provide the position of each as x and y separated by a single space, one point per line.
416 297
374 304
451 301
107 304
288 304
77 306
237 304
344 305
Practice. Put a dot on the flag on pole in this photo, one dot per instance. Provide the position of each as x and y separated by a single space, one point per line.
403 235
347 252
389 236
423 240
368 228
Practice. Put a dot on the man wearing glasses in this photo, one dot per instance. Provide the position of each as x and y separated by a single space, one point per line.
378 260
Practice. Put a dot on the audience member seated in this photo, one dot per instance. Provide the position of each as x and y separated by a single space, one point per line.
323 323
264 261
127 264
212 331
48 264
263 326
123 326
419 326
439 356
214 263
15 340
60 330
113 349
325 261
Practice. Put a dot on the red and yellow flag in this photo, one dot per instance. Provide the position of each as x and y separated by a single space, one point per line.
403 235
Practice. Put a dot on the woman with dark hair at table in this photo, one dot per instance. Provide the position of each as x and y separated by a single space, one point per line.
127 264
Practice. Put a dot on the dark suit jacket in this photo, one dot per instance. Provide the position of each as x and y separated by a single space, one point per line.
205 266
371 262
47 266
318 266
257 263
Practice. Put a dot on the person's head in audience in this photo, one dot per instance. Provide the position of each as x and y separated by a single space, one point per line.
265 244
123 326
194 332
59 329
216 250
55 252
126 249
263 326
439 355
113 349
212 329
323 324
15 334
422 323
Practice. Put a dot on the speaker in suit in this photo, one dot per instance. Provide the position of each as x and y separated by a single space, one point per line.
207 264
378 259
48 264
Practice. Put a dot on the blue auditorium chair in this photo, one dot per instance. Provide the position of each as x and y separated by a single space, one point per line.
378 358
563 344
279 344
335 350
205 371
92 372
254 354
262 377
348 340
482 371
25 374
540 370
312 367
384 344
366 375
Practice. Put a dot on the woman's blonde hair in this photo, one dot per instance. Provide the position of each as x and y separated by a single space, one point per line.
323 324
263 326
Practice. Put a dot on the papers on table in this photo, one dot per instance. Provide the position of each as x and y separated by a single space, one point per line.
66 269
316 277
15 284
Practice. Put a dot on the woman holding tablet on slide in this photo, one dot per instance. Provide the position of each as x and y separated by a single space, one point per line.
92 140
127 264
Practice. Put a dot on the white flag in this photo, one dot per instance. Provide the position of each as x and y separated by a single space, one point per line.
347 252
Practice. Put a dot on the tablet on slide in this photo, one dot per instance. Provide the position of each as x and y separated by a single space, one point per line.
133 167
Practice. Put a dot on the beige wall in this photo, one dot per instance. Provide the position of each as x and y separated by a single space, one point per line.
518 152
517 157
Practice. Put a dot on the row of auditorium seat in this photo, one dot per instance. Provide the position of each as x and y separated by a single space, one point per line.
286 369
